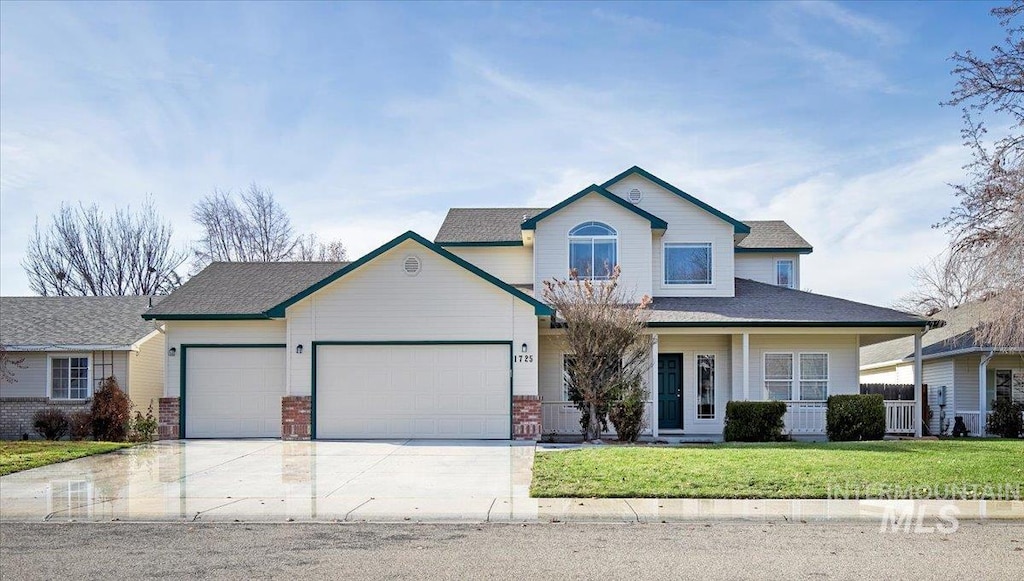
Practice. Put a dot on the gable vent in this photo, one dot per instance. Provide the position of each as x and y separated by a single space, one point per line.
635 195
411 265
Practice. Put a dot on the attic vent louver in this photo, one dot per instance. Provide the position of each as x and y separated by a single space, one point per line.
411 265
635 195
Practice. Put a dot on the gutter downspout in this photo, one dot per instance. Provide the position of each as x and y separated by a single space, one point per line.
983 392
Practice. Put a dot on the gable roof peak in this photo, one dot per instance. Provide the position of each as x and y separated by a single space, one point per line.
656 222
738 226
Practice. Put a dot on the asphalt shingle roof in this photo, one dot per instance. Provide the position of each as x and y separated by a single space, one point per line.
765 304
772 234
73 321
484 224
956 335
503 225
243 288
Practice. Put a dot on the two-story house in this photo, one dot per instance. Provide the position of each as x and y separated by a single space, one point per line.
451 338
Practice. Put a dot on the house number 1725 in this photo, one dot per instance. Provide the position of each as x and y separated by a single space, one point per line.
524 359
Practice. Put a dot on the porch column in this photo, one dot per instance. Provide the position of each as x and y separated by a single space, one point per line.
983 392
654 386
918 404
746 366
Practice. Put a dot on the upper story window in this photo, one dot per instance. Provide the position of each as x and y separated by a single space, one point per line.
688 263
784 273
593 250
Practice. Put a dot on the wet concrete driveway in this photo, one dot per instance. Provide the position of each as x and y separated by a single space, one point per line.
272 480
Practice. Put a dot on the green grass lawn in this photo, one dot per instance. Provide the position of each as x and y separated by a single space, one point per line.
22 455
887 469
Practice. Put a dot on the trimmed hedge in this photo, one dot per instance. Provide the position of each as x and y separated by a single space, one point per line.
855 417
755 421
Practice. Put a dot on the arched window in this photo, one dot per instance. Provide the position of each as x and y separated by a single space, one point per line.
593 250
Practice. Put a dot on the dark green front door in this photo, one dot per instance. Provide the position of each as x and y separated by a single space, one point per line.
670 403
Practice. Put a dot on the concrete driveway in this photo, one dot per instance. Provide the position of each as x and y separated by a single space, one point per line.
274 480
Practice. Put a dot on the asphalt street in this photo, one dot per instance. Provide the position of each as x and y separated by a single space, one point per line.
716 550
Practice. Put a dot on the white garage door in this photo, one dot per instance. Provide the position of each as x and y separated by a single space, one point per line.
413 391
234 392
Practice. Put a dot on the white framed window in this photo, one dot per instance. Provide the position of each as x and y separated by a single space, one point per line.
705 387
687 263
778 376
785 273
566 360
814 376
593 250
69 377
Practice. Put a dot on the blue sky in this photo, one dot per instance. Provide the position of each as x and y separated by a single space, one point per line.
367 120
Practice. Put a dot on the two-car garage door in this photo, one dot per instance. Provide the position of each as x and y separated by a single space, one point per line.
413 391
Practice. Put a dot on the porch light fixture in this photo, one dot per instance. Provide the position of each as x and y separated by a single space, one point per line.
172 351
298 349
523 348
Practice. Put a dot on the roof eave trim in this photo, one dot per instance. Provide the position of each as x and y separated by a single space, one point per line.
206 317
953 353
69 348
845 324
540 309
777 250
482 243
656 222
738 226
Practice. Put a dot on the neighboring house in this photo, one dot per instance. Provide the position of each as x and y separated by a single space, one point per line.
69 345
964 376
449 339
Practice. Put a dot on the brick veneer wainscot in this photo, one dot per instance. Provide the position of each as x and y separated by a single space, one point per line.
296 417
169 418
526 418
16 413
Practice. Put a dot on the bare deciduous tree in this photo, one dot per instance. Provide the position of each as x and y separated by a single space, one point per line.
946 281
84 252
8 363
988 222
254 228
605 335
310 247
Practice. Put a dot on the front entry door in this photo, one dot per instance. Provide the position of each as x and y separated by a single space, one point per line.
670 401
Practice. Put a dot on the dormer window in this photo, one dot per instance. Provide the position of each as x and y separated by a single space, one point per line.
593 250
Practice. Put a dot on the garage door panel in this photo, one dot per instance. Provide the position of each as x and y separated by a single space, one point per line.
413 391
234 392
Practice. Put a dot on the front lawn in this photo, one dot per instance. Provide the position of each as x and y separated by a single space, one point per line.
887 469
22 455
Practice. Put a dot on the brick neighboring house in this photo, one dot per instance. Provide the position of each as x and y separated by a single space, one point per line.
69 345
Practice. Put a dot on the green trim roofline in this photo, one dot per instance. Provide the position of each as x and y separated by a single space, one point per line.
800 250
539 308
740 227
183 368
486 243
209 317
315 344
681 324
656 222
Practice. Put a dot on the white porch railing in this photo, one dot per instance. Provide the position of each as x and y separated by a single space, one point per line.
972 420
561 418
899 417
805 417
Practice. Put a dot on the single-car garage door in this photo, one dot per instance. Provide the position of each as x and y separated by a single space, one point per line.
413 391
234 392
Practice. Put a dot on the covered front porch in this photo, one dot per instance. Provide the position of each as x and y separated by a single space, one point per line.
694 373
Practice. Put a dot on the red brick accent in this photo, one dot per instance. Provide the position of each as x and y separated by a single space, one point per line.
169 418
526 418
296 417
